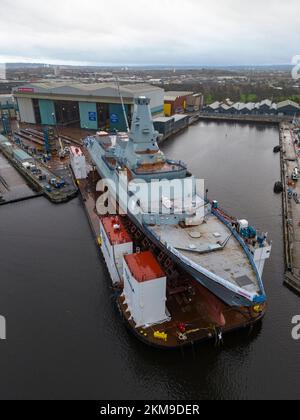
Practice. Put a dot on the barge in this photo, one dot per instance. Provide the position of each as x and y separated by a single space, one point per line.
38 176
183 274
194 314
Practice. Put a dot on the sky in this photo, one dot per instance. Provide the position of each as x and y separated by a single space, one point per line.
153 32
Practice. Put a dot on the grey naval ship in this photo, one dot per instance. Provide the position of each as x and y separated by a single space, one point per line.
220 257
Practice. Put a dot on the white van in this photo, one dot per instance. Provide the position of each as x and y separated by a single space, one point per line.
296 174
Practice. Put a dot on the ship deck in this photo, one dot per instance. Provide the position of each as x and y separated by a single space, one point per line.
201 245
163 167
200 311
200 325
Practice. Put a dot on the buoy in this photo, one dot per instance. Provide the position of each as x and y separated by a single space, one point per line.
277 149
278 188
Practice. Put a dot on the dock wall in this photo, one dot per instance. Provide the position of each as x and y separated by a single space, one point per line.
292 279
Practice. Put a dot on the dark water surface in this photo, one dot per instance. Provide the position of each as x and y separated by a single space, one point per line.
64 336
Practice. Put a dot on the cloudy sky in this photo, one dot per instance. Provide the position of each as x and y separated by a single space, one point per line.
133 32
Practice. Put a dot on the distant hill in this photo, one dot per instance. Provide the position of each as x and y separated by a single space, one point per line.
280 67
14 66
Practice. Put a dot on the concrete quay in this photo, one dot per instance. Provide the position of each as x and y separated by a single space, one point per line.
290 153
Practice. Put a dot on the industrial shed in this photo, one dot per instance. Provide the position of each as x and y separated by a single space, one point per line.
288 108
248 108
265 106
181 121
194 102
237 108
214 107
176 102
88 106
224 109
164 125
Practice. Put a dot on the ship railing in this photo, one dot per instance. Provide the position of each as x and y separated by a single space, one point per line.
177 162
245 248
228 285
107 163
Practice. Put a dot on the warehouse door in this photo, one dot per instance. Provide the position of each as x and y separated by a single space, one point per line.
103 116
47 110
88 115
36 108
67 113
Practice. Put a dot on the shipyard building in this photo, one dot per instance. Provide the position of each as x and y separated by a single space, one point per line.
263 108
177 102
88 106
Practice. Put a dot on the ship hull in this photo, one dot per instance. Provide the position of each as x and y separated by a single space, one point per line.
216 319
217 338
228 296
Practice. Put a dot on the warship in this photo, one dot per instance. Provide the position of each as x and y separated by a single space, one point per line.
183 267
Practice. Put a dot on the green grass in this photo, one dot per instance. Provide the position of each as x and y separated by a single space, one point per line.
295 98
248 97
209 99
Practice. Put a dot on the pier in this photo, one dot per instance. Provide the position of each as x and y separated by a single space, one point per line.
13 188
291 205
263 119
196 117
38 179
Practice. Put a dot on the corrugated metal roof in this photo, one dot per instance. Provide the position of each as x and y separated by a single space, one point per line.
214 105
225 107
266 102
178 117
173 95
288 103
163 119
21 155
144 267
250 106
238 106
95 89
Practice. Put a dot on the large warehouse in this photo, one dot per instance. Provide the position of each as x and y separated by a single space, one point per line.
89 106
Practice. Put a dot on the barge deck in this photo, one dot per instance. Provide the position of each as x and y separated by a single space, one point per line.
56 196
13 188
196 315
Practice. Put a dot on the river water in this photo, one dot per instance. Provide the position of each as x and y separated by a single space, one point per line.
65 339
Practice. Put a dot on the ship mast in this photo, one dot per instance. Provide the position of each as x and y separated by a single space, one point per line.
123 105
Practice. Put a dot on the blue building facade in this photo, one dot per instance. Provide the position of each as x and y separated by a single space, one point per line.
88 115
47 112
91 106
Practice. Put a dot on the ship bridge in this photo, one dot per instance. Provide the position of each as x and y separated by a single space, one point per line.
142 154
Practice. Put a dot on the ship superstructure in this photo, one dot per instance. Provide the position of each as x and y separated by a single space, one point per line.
224 255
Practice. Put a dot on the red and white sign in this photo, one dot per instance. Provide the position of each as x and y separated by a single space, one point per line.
26 90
